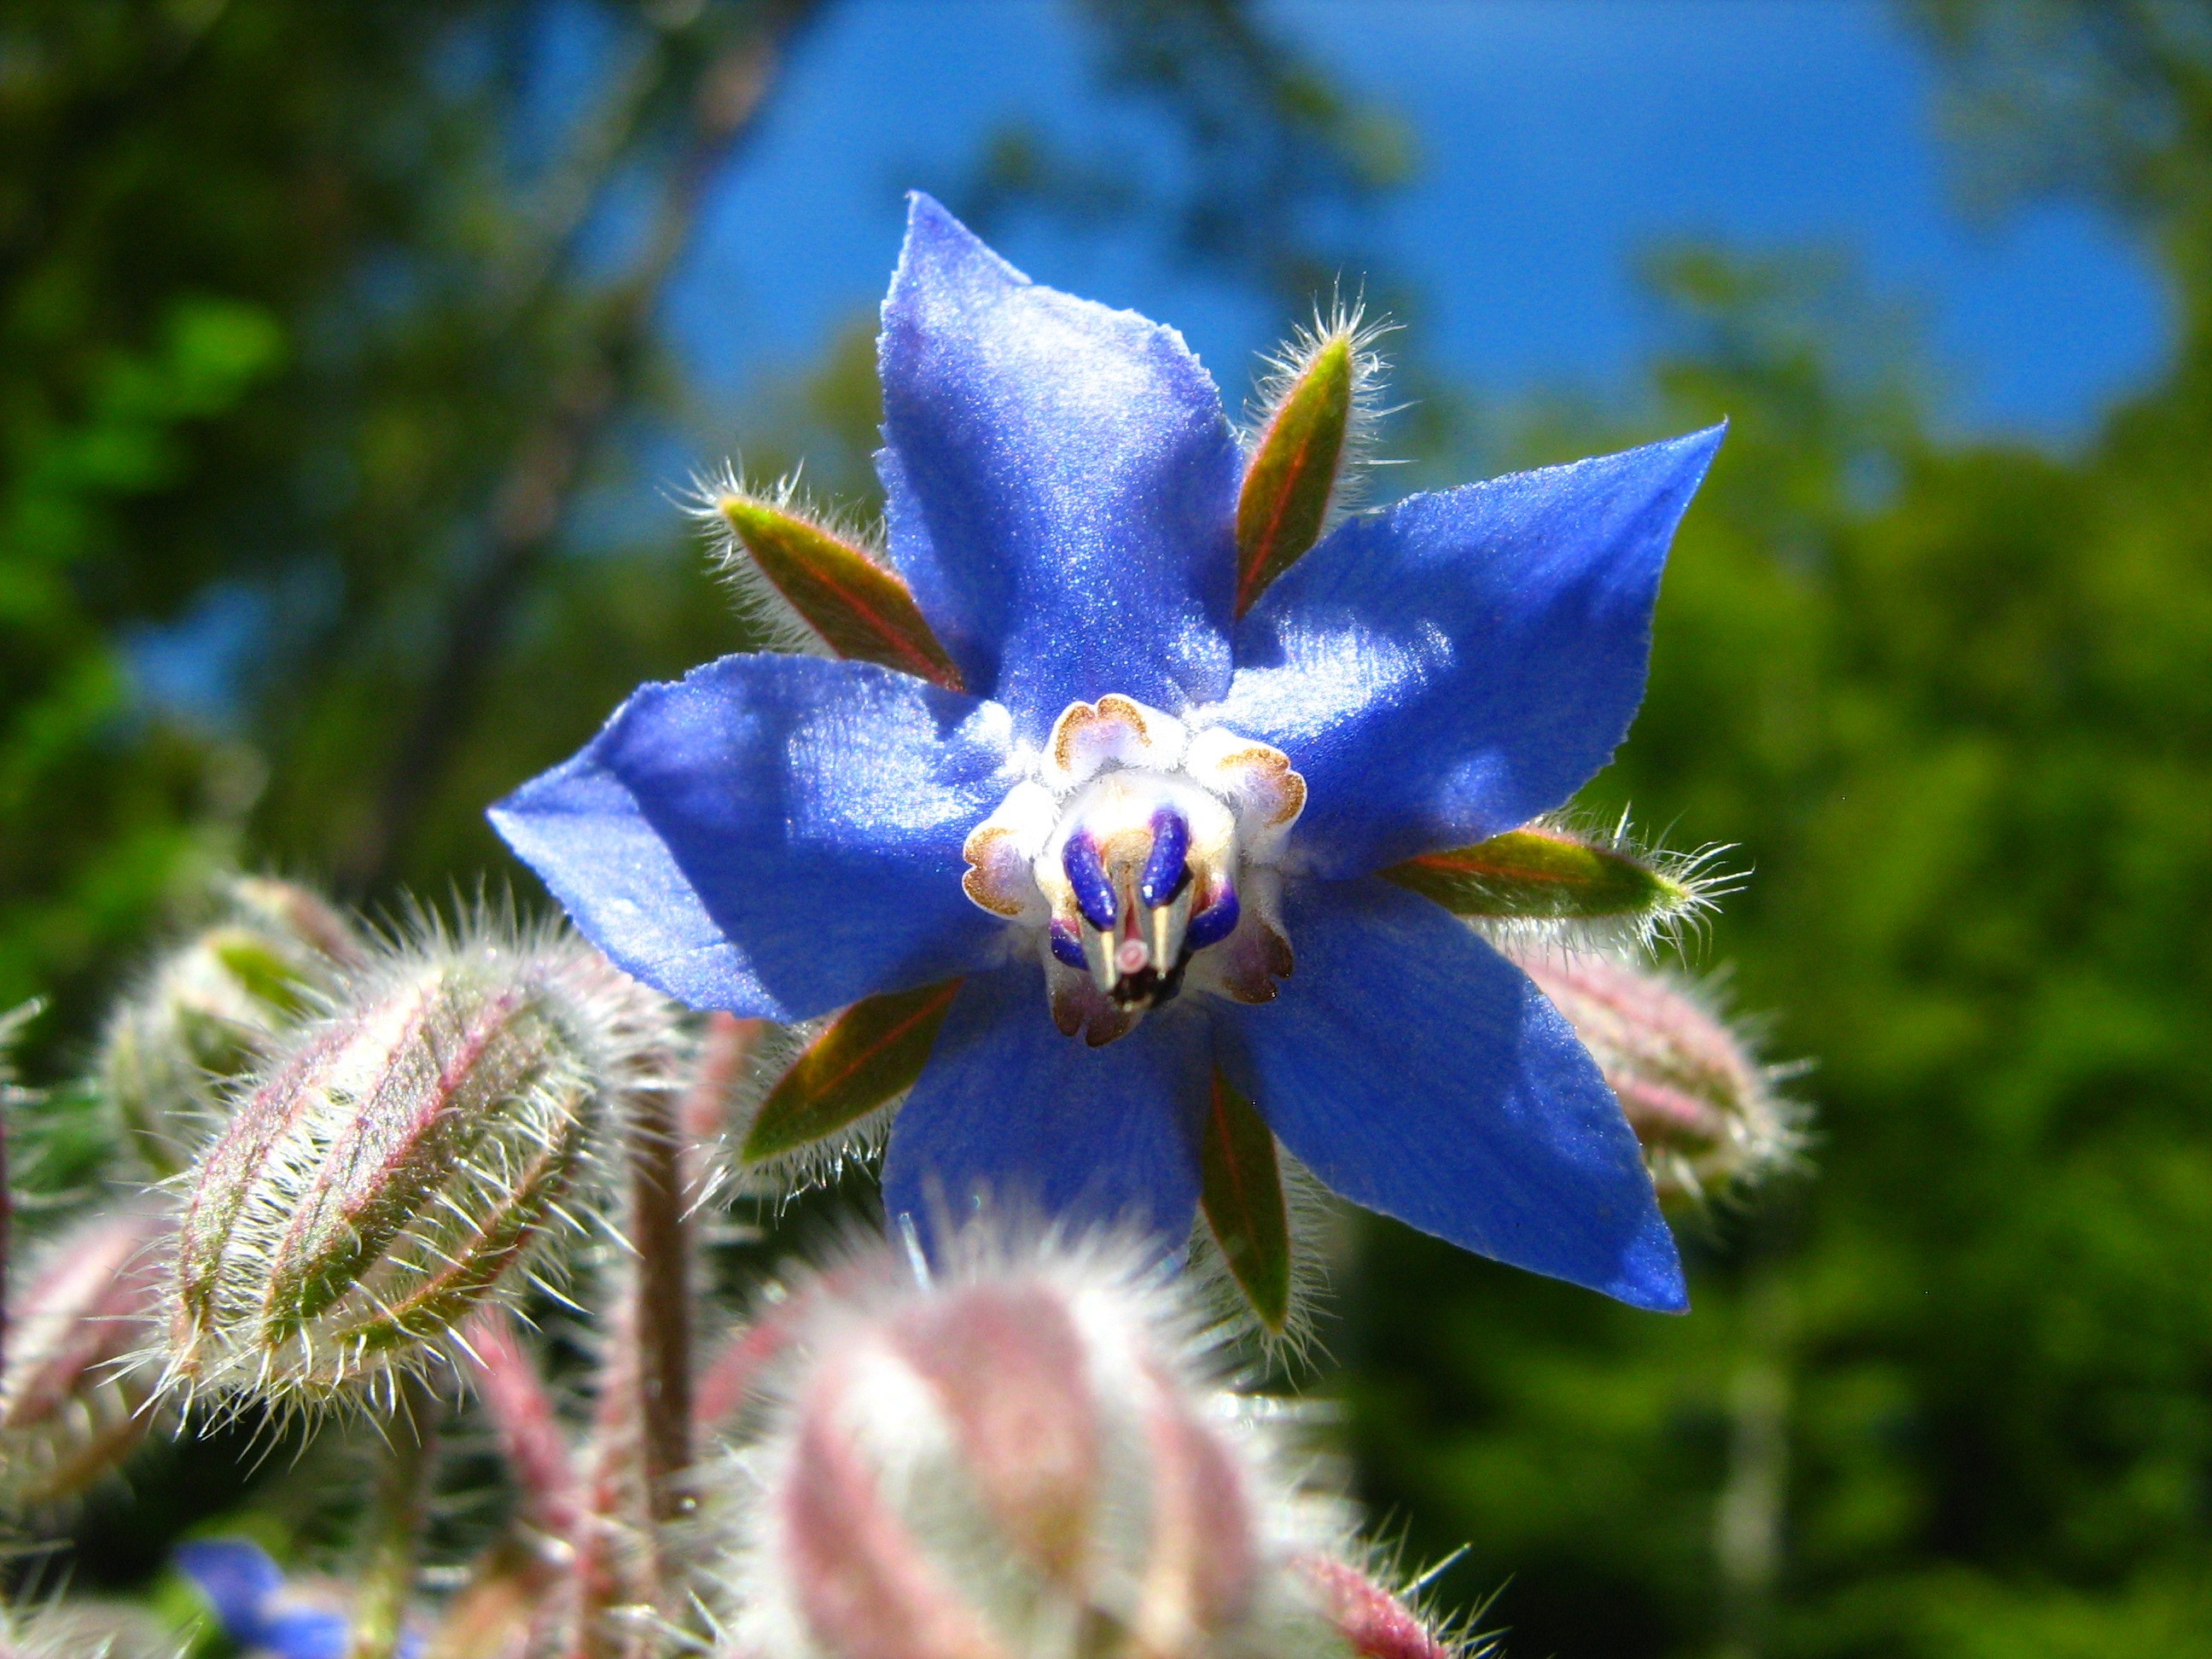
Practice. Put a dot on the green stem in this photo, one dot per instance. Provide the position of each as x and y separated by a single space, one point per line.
397 1508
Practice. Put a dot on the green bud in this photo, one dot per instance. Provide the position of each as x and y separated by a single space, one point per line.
843 597
397 1163
210 1009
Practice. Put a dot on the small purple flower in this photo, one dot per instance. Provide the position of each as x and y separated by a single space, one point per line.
1147 830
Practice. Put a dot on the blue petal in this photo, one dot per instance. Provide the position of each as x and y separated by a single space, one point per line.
1062 484
773 835
1448 669
1010 1113
307 1633
238 1579
1417 1072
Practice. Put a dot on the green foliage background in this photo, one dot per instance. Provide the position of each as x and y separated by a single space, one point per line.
285 301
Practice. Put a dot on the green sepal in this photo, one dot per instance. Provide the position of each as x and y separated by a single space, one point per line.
1540 875
876 1049
859 609
1292 472
1242 1197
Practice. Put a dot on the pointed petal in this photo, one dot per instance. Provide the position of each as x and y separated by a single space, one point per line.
1035 1122
1417 1072
1448 669
1062 484
773 835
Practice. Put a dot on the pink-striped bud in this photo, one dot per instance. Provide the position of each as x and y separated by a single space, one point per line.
212 1008
1020 1460
74 1393
397 1162
1373 1622
1705 1107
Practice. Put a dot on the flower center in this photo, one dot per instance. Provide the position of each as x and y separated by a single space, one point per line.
1136 846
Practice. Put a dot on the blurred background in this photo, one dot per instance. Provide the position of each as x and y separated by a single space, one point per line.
352 357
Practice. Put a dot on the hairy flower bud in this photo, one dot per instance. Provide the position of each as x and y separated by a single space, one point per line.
74 1392
1018 1460
211 1009
395 1163
1375 1623
1704 1107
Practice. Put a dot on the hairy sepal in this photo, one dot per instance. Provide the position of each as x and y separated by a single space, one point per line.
1319 409
870 1054
1549 879
849 601
1244 1207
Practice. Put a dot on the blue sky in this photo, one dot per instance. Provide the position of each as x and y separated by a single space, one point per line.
1555 139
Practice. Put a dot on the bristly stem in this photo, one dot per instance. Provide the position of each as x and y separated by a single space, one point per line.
661 1286
641 1434
397 1508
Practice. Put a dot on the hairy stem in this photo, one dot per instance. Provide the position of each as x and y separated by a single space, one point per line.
660 1286
641 1433
397 1508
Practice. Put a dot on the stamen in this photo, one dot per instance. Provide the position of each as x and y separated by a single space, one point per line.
1086 874
1214 923
1139 843
1067 944
1167 868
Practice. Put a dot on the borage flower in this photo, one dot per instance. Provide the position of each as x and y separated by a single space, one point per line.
263 1615
1098 845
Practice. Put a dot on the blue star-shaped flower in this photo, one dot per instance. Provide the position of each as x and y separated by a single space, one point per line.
266 1618
1147 821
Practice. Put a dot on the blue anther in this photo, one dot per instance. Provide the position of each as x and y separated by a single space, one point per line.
1067 946
1087 873
1164 870
1214 923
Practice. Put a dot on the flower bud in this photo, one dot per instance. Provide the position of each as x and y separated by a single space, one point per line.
74 1392
210 1009
1704 1108
1376 1624
1018 1460
395 1163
